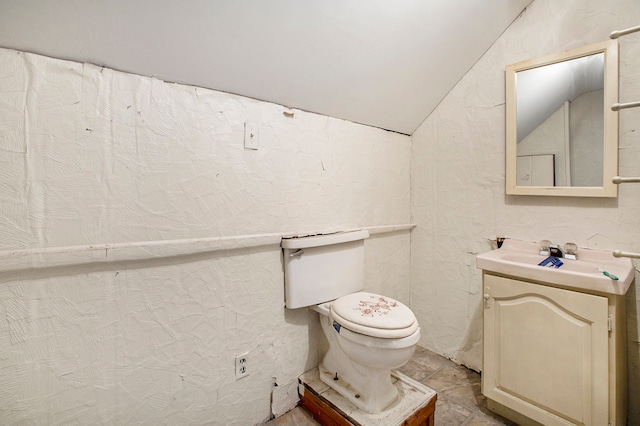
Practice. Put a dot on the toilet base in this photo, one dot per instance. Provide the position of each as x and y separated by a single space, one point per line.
414 407
372 391
367 387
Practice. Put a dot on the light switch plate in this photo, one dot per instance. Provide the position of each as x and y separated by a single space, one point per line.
251 135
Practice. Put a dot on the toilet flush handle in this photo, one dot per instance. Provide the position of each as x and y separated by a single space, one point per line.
296 253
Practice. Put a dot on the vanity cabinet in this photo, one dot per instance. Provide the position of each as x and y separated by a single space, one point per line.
552 355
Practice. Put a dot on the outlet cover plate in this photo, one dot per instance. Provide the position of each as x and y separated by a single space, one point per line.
242 367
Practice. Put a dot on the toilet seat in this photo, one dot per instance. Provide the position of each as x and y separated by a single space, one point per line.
374 315
371 342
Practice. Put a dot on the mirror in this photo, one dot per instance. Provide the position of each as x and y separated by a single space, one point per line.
561 134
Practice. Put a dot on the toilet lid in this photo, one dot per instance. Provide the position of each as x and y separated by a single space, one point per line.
374 315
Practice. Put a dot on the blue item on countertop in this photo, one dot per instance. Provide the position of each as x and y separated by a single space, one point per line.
551 262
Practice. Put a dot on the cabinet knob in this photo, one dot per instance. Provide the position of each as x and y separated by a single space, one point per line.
486 296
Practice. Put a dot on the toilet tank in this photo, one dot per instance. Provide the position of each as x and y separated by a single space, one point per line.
320 268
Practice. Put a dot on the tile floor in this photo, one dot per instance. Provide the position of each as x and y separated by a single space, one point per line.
459 399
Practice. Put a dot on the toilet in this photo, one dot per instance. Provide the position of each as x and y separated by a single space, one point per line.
369 334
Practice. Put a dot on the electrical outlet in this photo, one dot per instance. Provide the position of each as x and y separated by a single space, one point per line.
242 367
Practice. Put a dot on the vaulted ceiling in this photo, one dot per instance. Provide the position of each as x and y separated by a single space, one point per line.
382 63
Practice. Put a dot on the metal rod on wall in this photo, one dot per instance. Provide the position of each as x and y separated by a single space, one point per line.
618 180
618 253
617 34
618 107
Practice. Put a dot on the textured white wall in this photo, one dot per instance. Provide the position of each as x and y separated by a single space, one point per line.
92 156
458 195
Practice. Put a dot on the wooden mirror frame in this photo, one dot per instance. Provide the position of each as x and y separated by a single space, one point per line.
610 159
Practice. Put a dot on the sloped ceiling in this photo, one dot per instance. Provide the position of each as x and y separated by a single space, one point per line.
382 63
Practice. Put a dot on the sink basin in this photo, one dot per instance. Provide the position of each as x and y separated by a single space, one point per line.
520 259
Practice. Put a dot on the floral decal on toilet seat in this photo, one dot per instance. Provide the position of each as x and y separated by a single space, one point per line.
379 306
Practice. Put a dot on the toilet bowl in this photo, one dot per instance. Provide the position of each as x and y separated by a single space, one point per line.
368 334
358 363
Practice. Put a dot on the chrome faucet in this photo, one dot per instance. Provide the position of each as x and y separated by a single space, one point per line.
554 250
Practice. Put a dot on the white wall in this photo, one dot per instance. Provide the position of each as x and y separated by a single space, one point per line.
458 194
147 333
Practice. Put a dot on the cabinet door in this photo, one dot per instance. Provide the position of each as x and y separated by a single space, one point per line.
546 352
